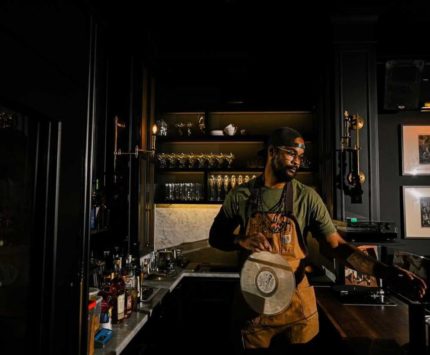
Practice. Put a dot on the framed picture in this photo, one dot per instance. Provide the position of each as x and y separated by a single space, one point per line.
416 150
356 278
416 211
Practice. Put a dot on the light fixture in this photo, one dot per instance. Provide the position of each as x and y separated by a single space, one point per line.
426 107
154 136
353 123
137 150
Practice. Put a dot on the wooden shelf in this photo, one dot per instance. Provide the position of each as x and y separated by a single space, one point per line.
212 139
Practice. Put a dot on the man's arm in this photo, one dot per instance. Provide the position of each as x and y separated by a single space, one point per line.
399 279
221 233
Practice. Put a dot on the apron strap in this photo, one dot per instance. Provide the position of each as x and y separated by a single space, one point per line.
289 199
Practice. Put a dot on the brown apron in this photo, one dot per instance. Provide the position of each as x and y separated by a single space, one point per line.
299 321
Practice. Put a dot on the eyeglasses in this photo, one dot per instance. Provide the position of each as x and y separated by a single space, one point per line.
292 154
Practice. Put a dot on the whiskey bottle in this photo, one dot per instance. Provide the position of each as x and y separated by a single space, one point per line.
118 293
128 277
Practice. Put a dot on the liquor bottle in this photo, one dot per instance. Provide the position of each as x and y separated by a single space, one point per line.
137 273
139 279
118 291
107 292
129 281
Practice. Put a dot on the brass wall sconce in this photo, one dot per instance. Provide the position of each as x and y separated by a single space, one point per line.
351 178
137 150
351 123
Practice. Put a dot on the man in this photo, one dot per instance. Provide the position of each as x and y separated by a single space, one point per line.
274 213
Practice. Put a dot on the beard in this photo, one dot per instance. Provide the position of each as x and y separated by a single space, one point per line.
283 171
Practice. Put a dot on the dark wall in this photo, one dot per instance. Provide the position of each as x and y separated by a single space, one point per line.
391 180
44 71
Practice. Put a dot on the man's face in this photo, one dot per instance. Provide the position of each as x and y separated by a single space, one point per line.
286 161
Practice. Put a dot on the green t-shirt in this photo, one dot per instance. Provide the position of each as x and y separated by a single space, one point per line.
308 207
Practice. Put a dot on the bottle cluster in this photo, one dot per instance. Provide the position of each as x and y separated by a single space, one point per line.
118 277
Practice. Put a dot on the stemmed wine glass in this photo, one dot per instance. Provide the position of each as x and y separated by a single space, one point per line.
220 158
172 159
230 158
162 160
212 190
182 160
179 126
201 158
211 159
189 125
192 160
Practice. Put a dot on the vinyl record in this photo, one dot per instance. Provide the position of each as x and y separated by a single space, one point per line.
267 283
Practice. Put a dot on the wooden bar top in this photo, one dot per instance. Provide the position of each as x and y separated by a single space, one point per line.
366 329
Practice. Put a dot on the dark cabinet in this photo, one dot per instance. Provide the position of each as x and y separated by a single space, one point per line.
122 110
44 81
194 319
29 157
207 315
162 333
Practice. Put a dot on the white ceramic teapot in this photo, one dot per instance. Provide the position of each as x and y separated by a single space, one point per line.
230 129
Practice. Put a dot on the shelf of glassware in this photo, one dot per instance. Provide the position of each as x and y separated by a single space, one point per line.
200 186
207 186
216 154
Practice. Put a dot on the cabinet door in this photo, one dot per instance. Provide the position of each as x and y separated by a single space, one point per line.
29 154
207 310
164 329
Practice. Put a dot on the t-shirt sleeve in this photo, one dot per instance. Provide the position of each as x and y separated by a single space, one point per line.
321 224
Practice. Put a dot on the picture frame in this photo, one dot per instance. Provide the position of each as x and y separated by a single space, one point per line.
416 212
415 150
356 278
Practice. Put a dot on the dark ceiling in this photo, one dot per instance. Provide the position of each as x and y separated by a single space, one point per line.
267 54
237 54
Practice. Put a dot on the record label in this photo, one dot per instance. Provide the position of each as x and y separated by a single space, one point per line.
267 282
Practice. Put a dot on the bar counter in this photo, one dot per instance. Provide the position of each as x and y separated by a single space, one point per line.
366 329
358 329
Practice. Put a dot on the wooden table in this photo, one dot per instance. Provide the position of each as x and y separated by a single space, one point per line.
365 329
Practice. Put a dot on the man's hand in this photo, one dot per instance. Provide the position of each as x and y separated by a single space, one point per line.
255 242
405 282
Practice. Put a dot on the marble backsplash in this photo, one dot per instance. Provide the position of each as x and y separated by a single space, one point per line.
177 224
